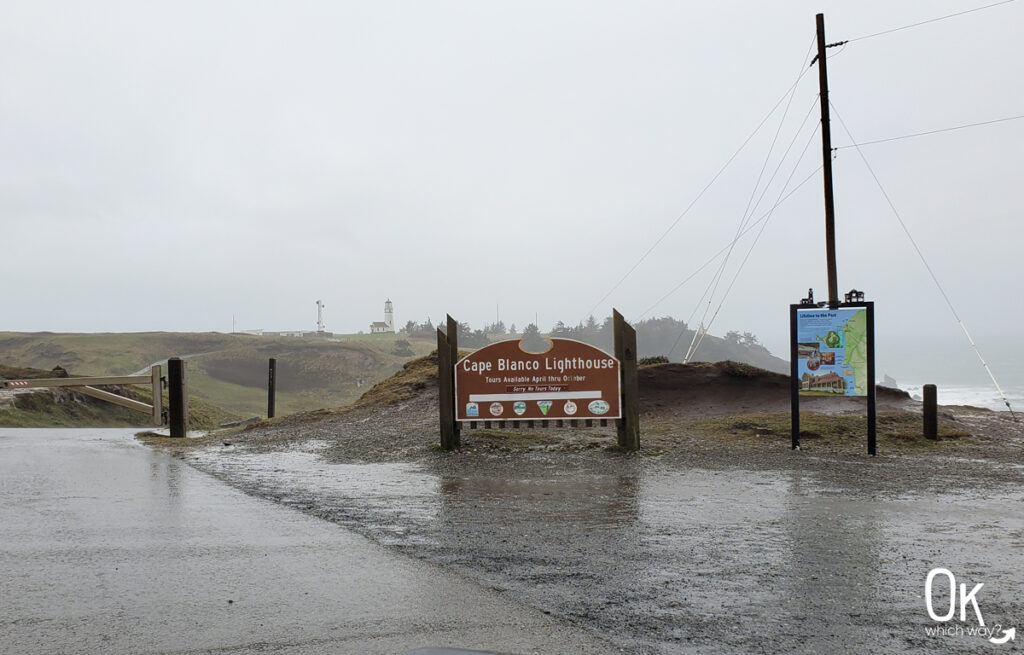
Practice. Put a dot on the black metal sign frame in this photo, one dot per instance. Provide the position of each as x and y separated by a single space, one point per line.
794 368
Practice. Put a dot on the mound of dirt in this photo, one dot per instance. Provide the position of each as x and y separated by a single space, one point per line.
705 389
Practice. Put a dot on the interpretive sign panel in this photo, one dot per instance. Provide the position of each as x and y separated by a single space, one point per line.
570 380
832 351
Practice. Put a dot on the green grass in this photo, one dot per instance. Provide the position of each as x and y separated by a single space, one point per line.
228 370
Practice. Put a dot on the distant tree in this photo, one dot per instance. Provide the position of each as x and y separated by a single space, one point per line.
746 339
424 330
470 338
512 329
532 339
402 348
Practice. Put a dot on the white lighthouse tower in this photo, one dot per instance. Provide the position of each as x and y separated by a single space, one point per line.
389 315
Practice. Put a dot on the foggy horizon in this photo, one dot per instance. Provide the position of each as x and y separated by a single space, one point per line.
175 167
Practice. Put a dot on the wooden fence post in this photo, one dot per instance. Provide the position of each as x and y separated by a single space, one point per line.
931 412
272 386
177 397
625 352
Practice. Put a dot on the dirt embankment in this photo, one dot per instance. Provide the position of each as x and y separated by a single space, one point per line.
721 407
727 388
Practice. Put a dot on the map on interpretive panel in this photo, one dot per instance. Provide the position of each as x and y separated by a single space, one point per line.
832 351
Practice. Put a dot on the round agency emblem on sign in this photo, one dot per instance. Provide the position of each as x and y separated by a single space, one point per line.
599 407
519 407
496 409
569 408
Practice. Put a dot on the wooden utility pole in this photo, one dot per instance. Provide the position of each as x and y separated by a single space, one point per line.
826 154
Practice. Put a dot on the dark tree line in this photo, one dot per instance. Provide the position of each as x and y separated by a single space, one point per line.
664 336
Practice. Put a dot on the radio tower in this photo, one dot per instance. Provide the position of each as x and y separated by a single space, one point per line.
320 316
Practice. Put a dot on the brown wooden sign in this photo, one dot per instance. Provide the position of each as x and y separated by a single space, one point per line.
571 380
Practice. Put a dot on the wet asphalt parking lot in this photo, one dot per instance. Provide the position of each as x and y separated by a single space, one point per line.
111 547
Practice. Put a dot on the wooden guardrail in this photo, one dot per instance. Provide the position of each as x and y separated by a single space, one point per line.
87 386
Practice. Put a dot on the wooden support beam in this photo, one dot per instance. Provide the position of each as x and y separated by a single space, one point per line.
115 399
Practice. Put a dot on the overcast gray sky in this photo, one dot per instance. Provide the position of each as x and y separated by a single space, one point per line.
167 165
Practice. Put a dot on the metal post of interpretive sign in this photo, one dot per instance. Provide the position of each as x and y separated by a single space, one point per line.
832 353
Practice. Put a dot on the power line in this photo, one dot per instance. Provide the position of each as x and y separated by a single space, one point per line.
700 195
930 20
748 214
764 224
751 207
927 267
945 129
749 210
726 247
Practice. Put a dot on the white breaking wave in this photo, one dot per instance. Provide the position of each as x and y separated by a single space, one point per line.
973 395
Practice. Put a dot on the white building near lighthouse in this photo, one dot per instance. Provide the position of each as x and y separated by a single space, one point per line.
387 326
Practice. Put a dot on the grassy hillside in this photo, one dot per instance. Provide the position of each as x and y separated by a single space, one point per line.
229 370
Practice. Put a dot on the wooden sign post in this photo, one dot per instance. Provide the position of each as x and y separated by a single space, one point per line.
447 353
625 351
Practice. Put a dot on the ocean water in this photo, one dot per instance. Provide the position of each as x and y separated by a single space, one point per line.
955 369
976 396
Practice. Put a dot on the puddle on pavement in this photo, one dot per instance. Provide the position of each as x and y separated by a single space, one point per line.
389 496
657 556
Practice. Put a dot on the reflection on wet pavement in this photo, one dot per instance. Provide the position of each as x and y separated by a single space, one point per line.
669 560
